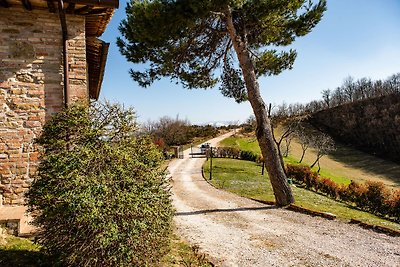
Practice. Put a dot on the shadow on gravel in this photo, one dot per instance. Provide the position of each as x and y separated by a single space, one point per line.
197 212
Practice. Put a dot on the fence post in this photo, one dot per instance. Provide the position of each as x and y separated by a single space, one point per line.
262 169
211 156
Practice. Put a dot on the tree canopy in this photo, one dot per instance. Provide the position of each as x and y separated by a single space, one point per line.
189 42
199 43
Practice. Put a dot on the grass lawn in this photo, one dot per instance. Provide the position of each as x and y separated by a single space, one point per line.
244 178
341 166
22 252
16 251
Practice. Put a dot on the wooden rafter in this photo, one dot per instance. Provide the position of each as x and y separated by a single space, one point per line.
97 11
70 9
27 5
51 6
4 3
83 10
98 3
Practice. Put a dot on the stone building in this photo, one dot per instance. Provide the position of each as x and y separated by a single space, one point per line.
50 56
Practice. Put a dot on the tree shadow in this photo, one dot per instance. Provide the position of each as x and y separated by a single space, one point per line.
22 258
360 160
198 212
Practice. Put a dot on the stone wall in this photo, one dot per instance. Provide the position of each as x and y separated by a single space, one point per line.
31 88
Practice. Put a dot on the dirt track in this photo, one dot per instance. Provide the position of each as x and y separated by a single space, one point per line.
235 231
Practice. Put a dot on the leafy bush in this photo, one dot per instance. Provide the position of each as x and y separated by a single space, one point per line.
394 205
376 195
371 196
248 155
226 152
302 174
100 196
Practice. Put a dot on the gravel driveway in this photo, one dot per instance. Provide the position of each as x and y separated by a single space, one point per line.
236 231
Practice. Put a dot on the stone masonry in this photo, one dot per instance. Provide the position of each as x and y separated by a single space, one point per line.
31 88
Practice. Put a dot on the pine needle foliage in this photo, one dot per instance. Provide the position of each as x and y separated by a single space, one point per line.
100 196
201 43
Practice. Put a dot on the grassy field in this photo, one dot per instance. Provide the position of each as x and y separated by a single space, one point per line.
22 252
244 178
342 166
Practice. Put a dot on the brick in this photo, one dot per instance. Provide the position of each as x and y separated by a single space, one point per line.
31 86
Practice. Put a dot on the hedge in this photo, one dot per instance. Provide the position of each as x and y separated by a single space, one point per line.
371 196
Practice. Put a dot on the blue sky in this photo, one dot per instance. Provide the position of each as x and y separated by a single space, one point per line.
358 38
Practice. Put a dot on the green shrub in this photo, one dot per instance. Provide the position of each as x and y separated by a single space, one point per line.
100 196
248 155
226 152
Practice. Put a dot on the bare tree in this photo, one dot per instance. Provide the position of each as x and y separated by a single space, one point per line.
326 96
304 137
323 144
287 144
289 125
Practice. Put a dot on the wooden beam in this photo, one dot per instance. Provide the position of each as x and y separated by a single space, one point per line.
70 9
4 3
98 11
27 4
99 3
83 10
51 6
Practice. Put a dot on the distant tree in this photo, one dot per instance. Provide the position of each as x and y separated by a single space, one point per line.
304 136
326 96
286 125
173 132
354 90
348 89
190 41
393 83
287 144
250 124
323 144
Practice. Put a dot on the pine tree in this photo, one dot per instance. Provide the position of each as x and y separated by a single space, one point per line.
194 41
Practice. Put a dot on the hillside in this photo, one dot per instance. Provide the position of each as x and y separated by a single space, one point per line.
371 125
342 165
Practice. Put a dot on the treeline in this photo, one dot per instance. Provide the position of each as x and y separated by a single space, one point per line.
349 92
167 132
362 113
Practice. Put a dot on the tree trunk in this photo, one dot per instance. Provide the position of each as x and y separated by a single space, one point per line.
315 162
282 191
302 156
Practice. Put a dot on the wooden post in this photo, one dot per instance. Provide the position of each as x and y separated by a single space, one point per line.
263 167
191 149
211 156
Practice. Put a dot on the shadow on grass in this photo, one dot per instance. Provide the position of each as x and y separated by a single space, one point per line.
366 162
197 212
22 258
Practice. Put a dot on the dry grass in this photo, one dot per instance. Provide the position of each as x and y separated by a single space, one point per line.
353 164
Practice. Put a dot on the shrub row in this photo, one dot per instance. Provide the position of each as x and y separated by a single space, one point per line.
371 196
230 152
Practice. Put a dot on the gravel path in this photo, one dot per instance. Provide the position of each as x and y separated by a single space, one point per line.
236 231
